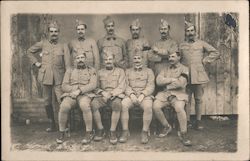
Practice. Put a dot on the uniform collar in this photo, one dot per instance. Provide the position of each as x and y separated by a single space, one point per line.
138 68
174 66
81 38
110 37
110 69
54 42
82 68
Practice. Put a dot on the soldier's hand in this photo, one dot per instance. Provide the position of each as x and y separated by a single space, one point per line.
107 95
75 93
133 98
155 49
141 97
38 64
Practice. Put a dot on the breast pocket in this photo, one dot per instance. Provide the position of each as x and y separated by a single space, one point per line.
45 56
58 58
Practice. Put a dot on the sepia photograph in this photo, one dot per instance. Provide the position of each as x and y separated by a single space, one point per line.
126 80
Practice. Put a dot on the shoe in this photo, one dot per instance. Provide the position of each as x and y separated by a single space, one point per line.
61 138
87 137
52 128
144 137
165 131
124 136
184 139
99 135
113 139
197 125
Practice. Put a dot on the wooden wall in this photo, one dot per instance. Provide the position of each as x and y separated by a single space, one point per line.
220 95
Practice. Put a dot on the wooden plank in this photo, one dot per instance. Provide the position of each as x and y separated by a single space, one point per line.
226 56
207 34
234 84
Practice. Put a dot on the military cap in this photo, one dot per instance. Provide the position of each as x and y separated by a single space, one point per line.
80 22
53 24
136 23
164 23
108 20
188 24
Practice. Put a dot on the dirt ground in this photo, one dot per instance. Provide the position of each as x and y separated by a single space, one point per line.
218 136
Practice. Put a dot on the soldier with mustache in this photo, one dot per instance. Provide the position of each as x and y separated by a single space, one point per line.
173 78
86 45
162 48
112 43
193 51
55 59
137 43
140 87
78 85
110 92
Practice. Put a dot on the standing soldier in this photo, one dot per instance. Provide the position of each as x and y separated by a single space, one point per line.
113 43
55 58
140 87
193 51
86 45
78 83
112 85
162 48
174 79
137 43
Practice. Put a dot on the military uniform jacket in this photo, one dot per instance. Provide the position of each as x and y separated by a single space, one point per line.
112 81
140 81
176 88
163 48
87 46
193 57
137 45
55 58
115 45
83 79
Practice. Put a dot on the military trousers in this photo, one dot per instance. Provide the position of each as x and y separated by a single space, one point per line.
146 105
198 91
84 103
178 105
50 106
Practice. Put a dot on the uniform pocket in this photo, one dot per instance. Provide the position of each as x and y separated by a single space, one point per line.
201 74
41 74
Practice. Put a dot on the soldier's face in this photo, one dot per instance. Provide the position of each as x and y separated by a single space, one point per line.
174 59
80 30
80 60
109 61
53 33
110 27
137 60
135 31
164 31
190 33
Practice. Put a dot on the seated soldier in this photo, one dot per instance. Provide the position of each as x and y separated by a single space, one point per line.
111 91
78 83
174 77
140 86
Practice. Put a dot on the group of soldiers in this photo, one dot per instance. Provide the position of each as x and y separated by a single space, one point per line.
123 75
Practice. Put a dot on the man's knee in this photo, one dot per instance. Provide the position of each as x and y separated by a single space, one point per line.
198 100
147 105
157 105
126 104
116 104
65 106
96 104
179 106
84 103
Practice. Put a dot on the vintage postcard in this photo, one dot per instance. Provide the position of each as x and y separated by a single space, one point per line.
125 80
